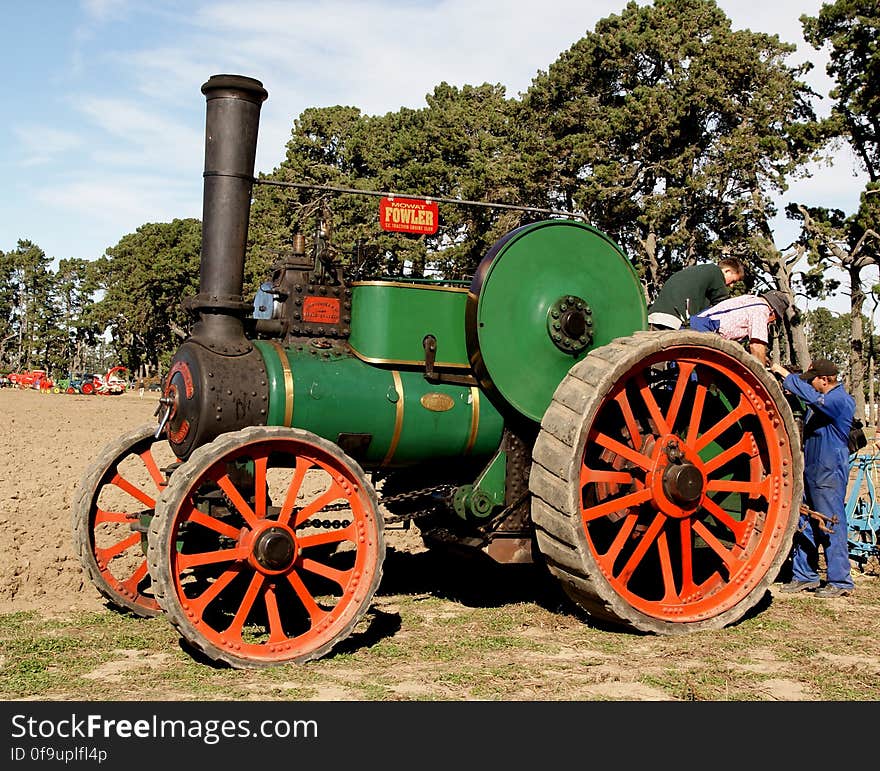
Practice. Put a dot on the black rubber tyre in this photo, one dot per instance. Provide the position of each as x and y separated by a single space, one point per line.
252 584
666 482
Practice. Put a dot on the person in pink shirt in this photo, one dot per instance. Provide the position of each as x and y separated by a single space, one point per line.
746 317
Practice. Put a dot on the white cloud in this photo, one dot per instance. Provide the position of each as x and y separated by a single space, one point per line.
94 214
139 199
103 10
41 145
143 138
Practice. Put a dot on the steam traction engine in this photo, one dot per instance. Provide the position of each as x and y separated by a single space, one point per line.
528 417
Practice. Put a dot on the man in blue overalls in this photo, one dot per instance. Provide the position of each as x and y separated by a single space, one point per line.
830 411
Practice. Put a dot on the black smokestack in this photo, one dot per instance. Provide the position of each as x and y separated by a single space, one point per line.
233 118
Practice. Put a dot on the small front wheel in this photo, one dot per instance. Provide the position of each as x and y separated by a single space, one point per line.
112 508
267 547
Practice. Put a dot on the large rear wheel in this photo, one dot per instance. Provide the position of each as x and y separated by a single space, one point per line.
666 482
267 547
112 508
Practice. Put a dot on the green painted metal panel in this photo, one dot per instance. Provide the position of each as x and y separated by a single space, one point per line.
407 419
272 357
390 319
521 282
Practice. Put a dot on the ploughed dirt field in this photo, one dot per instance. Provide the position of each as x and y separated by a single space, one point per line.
441 628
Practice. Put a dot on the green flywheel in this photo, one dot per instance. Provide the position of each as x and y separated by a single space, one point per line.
542 298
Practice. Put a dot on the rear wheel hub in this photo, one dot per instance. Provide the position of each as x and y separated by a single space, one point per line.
683 483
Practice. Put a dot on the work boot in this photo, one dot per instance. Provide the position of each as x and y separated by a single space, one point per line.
799 586
833 591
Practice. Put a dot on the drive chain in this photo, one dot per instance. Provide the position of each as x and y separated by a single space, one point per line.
439 494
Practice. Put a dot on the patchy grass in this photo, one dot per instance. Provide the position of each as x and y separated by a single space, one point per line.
431 648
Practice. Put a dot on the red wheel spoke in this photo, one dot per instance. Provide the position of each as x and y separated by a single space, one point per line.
688 587
639 552
198 604
609 443
684 375
327 536
135 492
120 517
719 548
737 527
629 418
299 474
235 497
339 577
117 548
616 504
139 575
150 462
333 494
212 523
745 446
247 603
589 475
606 560
756 489
186 561
722 425
276 628
316 613
696 414
669 592
651 404
260 486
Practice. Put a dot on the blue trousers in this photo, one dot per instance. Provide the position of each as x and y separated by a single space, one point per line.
805 555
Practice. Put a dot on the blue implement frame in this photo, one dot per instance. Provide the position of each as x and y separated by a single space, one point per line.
863 509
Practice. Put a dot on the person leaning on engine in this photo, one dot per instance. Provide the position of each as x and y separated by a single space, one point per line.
691 290
748 318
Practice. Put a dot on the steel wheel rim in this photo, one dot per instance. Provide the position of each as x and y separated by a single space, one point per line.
214 584
669 555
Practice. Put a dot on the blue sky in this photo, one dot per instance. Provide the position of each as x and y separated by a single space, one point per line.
103 121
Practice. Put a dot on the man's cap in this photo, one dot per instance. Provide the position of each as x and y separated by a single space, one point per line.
819 368
783 309
778 301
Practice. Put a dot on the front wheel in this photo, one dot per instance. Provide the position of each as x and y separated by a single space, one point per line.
267 547
666 482
112 507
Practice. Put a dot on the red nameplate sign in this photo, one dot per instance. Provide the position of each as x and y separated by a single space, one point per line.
408 215
321 310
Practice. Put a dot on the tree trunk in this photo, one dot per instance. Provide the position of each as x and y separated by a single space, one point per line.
856 368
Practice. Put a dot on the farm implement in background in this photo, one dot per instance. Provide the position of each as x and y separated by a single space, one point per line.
38 379
112 383
863 510
90 383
